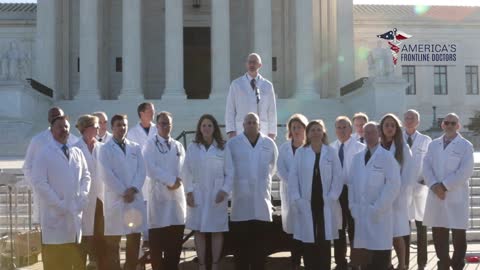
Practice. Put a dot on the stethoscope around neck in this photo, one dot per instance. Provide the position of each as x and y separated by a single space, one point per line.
161 148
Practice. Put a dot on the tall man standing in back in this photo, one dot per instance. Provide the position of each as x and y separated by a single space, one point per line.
251 93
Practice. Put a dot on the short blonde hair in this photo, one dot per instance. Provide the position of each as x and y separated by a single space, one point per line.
343 118
298 117
360 115
85 121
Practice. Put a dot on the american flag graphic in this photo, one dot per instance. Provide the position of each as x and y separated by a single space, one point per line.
394 38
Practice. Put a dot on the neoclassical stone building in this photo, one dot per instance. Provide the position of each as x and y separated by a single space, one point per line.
181 55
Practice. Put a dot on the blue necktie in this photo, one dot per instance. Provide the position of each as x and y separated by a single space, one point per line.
66 152
341 154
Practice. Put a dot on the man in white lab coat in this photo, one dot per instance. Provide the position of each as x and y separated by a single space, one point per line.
251 93
61 181
359 120
122 169
346 148
418 143
250 159
164 158
375 182
36 144
447 168
141 133
103 135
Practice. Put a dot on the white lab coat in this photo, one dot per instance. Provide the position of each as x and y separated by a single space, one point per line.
285 161
418 199
401 223
38 141
252 169
241 100
62 186
166 207
374 187
106 137
120 171
137 134
453 167
204 175
300 191
96 186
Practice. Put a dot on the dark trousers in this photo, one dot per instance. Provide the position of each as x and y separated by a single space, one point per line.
379 260
94 245
250 237
441 241
296 252
422 255
317 256
62 257
340 244
112 252
166 247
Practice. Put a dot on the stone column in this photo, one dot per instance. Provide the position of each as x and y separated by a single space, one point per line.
89 50
174 49
46 44
305 75
262 35
346 55
132 50
220 47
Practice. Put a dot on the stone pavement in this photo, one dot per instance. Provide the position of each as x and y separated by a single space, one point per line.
280 261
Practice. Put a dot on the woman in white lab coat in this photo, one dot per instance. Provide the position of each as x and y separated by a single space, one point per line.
207 189
93 242
295 139
314 185
392 140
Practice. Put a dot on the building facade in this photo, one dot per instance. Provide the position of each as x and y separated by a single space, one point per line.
181 55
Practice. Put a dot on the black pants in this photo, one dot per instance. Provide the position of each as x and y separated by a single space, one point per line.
441 241
296 252
166 247
250 237
62 257
317 256
340 244
379 260
94 245
113 251
422 255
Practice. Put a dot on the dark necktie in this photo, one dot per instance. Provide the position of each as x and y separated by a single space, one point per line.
168 145
410 141
368 155
341 153
253 84
362 139
122 146
66 152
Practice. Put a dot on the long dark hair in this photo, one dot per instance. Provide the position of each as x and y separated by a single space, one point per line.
217 134
397 138
310 125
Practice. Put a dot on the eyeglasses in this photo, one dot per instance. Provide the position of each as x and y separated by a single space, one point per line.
164 124
449 123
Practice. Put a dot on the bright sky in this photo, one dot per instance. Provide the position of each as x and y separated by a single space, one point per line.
384 2
421 2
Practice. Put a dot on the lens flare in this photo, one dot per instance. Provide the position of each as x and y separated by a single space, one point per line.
421 9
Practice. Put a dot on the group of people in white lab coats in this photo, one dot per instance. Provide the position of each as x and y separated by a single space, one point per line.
142 184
